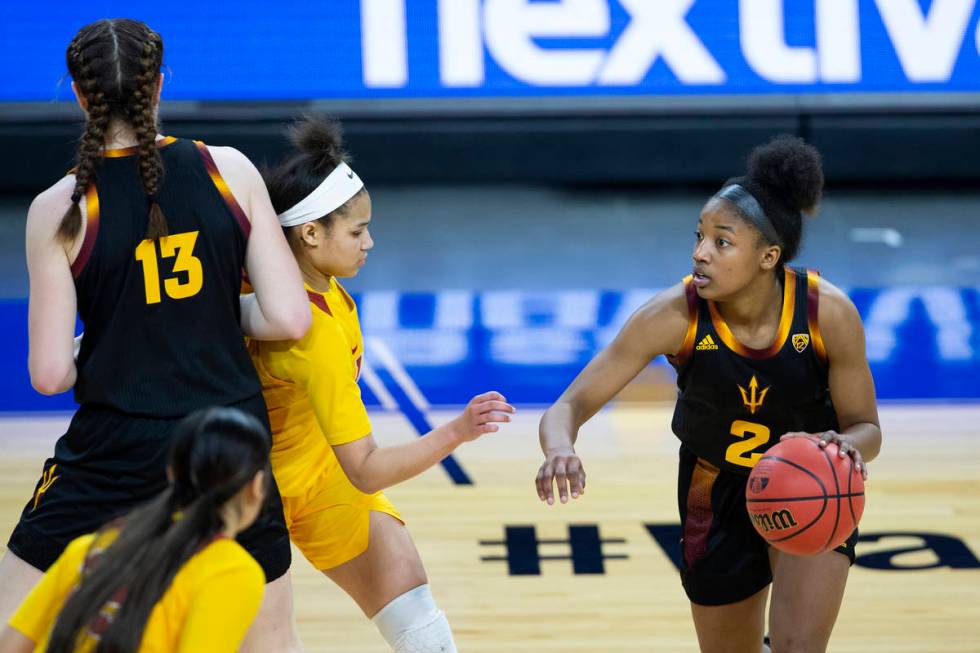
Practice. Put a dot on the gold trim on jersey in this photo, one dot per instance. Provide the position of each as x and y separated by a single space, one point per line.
693 311
782 332
813 313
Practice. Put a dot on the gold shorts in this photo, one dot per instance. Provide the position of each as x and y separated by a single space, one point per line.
330 522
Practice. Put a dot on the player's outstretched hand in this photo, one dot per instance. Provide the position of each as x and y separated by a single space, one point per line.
482 416
561 467
844 448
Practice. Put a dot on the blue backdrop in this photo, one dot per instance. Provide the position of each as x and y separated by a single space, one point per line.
922 342
251 49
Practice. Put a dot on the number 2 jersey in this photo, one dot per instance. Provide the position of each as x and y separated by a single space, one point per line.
162 317
734 402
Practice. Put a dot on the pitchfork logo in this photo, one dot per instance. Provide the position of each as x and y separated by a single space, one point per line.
752 398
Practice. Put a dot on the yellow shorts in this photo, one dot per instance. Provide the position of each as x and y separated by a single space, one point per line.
330 522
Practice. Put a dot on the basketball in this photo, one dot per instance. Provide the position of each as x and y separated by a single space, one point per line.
804 499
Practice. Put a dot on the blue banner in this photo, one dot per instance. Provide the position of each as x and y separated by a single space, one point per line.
356 49
923 343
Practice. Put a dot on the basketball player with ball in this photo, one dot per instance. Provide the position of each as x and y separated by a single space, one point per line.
763 353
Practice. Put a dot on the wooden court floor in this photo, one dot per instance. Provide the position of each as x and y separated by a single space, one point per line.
923 498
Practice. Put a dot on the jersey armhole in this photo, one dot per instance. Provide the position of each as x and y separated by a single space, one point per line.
219 182
687 346
813 313
91 231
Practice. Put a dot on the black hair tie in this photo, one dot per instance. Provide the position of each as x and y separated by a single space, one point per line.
154 198
76 197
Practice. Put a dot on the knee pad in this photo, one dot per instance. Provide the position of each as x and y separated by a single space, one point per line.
413 623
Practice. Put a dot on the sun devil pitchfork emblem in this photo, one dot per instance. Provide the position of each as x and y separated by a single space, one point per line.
753 398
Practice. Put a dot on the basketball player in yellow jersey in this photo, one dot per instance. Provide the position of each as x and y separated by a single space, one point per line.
169 577
329 470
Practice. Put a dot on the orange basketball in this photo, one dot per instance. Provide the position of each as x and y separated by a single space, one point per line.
803 499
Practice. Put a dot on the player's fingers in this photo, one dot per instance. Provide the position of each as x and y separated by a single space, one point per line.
859 463
493 395
575 477
544 483
539 482
561 480
493 405
494 416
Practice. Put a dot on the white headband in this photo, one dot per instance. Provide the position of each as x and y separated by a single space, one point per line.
332 193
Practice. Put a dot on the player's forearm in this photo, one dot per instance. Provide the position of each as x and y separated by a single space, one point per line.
387 466
865 437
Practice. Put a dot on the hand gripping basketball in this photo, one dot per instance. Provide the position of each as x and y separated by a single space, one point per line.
844 448
803 497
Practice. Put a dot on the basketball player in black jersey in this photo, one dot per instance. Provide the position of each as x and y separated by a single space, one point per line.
146 239
762 352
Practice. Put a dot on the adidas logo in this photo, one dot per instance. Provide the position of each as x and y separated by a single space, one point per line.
707 344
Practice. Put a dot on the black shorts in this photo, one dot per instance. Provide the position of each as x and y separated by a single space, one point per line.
107 464
724 559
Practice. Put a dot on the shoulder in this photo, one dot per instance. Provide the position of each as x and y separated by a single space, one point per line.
835 306
661 325
840 323
78 548
232 161
222 558
49 207
670 306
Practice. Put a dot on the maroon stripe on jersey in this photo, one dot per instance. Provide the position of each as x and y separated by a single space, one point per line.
319 302
91 231
222 186
699 515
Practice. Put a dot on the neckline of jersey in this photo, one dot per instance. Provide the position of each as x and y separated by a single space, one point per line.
134 149
782 332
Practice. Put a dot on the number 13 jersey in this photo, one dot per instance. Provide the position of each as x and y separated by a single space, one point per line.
162 317
734 402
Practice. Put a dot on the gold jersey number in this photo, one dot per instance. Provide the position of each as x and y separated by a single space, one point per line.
180 246
743 451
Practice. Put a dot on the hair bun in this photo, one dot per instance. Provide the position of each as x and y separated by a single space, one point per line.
320 138
790 169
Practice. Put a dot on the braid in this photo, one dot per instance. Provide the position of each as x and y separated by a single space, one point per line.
143 119
89 147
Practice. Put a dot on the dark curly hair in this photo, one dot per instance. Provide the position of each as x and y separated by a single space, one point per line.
786 176
318 148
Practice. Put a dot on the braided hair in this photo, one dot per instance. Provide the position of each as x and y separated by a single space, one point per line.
215 453
115 65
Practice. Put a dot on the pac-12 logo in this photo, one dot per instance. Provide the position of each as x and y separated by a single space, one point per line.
800 341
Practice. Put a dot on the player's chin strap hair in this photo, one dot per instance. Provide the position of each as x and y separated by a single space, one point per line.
749 206
413 623
332 193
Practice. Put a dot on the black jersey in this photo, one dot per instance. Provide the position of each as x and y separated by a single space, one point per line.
733 402
162 318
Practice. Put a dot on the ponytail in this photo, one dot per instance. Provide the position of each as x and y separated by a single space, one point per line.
215 453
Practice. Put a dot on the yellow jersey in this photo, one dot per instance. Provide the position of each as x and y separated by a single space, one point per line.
310 388
209 606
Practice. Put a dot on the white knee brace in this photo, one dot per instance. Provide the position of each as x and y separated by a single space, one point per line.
412 623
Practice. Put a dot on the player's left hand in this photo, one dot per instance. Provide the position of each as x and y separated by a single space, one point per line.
483 415
844 446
